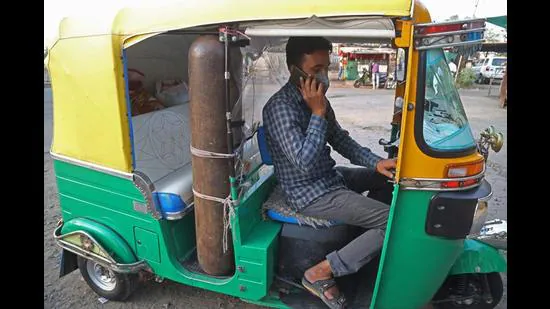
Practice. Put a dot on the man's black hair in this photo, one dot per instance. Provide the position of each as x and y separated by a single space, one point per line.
298 46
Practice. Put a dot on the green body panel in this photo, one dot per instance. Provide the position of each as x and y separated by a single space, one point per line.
408 263
147 245
102 205
478 257
256 241
116 246
108 200
184 231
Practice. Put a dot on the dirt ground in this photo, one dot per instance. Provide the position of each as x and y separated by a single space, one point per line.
364 112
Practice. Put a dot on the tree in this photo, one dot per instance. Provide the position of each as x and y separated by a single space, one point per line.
456 17
453 17
492 35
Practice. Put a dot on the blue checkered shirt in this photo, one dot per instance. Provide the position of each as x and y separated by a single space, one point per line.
297 142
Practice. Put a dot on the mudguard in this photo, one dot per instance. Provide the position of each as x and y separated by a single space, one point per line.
68 263
478 257
116 246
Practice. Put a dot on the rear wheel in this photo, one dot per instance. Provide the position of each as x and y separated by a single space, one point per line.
470 291
105 282
357 84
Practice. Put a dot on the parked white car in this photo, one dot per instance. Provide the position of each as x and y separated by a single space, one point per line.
490 67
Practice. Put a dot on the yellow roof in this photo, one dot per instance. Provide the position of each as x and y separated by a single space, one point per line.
134 21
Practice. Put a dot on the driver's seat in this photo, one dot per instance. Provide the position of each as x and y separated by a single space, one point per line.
275 207
304 240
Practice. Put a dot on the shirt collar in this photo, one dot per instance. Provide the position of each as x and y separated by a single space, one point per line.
294 91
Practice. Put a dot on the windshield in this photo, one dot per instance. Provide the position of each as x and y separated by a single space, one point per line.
445 125
499 61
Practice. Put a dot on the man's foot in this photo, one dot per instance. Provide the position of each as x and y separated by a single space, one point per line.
319 289
322 271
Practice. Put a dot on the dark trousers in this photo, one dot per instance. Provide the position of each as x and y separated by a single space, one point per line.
349 206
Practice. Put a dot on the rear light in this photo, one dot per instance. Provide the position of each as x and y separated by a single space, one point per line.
441 28
459 184
443 35
460 26
457 172
462 171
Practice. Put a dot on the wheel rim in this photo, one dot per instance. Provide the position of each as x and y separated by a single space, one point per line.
101 276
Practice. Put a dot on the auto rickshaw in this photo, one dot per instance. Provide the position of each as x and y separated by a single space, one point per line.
163 171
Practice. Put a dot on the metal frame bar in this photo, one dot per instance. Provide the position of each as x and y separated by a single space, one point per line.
451 22
108 262
450 44
434 184
92 166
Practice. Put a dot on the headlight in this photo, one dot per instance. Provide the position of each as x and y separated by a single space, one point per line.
480 215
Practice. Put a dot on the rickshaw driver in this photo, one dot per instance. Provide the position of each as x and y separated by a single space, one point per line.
299 122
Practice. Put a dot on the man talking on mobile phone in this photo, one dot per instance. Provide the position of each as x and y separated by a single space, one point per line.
299 123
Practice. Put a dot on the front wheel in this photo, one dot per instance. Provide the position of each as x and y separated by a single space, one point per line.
357 83
471 291
105 282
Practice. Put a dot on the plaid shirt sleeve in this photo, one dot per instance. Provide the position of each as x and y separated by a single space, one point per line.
340 140
302 150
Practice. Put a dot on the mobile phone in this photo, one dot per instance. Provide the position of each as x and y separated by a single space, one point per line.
295 74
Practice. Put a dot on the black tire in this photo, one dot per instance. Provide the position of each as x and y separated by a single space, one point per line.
123 284
497 290
357 84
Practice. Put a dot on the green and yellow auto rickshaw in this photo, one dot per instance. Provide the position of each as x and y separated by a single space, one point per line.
163 171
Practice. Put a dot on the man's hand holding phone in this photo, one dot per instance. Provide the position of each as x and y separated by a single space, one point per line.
314 95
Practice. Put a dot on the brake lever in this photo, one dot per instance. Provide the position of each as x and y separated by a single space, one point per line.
389 147
383 142
392 180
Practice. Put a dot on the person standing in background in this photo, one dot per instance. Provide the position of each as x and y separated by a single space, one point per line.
340 67
452 67
375 75
344 67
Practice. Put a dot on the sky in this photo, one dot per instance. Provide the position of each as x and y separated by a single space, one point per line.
55 10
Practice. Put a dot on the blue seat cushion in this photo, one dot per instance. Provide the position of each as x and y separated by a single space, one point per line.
173 193
276 209
278 216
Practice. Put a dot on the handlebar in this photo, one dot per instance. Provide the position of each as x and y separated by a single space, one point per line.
383 142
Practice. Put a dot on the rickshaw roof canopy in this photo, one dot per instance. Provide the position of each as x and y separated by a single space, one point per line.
129 22
501 21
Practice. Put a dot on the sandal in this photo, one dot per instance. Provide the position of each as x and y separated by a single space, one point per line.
319 287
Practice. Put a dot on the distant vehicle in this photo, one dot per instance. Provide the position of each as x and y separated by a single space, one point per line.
490 67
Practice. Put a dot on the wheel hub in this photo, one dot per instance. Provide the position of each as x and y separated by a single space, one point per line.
103 277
